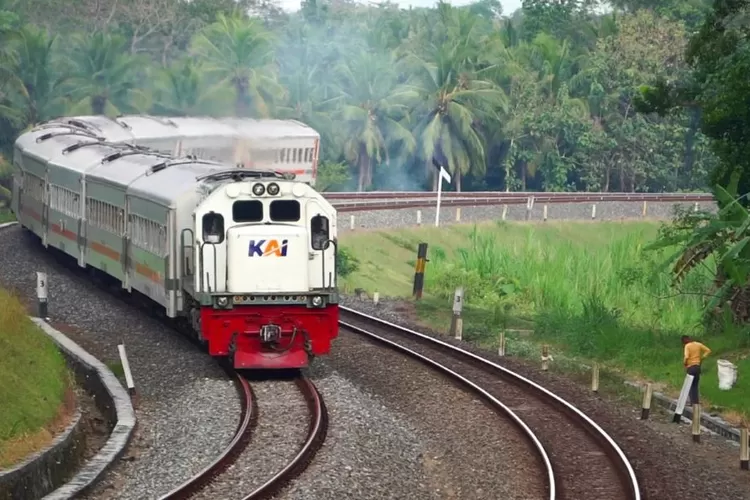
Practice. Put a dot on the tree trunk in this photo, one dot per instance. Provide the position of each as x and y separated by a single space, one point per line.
361 167
98 104
457 175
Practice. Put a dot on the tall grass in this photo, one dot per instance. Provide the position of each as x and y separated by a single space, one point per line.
592 289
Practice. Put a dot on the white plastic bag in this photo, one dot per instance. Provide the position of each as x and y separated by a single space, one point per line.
727 374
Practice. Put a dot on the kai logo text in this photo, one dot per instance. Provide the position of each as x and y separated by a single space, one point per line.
268 248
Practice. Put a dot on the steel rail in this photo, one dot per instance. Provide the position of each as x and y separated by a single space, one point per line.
625 468
228 455
380 195
316 434
493 401
396 204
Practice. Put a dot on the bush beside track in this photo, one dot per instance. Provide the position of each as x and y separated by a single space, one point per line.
35 385
588 290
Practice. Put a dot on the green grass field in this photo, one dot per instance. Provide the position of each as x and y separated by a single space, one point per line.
33 383
587 289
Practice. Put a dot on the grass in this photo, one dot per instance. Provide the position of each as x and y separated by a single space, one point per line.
589 290
35 386
6 215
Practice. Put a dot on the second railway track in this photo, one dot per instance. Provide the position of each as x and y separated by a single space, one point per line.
585 461
208 482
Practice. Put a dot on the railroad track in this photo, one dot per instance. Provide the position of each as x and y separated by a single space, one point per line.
353 202
316 433
581 461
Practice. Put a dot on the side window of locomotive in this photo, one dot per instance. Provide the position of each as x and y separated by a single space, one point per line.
213 228
319 232
285 211
247 211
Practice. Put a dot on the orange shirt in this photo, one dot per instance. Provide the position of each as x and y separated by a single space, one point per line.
693 353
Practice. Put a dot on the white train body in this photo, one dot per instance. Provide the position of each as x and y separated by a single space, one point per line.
196 237
286 146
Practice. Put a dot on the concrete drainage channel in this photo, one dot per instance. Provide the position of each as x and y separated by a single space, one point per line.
41 474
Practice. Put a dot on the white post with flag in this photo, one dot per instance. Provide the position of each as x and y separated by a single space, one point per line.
444 175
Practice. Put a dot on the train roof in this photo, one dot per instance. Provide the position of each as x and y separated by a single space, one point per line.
100 125
131 128
86 157
127 168
172 182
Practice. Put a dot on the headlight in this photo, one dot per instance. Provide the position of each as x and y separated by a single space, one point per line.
273 189
259 189
222 301
317 301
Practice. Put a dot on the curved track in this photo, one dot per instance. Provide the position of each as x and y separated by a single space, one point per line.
585 462
354 202
318 427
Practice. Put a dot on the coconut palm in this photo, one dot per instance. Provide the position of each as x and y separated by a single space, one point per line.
371 114
181 90
104 78
239 54
42 97
449 102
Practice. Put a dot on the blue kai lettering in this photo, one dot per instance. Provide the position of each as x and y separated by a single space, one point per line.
265 248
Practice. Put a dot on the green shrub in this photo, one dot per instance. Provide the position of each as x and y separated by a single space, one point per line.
346 262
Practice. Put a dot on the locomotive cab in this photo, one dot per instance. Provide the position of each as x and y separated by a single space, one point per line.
265 272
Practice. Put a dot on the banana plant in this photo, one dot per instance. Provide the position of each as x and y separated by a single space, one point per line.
724 237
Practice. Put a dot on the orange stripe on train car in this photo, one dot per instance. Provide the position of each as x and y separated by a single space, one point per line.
102 249
65 233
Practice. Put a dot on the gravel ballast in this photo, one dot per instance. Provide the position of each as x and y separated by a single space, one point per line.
282 421
187 408
555 211
370 451
457 446
668 464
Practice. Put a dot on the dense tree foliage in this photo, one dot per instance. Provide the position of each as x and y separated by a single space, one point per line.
539 100
715 90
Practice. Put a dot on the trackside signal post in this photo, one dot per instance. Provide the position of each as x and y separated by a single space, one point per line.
419 271
444 175
41 294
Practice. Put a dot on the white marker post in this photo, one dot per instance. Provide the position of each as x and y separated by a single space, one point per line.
376 298
41 294
457 321
419 217
683 399
444 175
126 369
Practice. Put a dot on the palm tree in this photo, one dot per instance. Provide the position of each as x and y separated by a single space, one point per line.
180 89
449 102
239 53
104 78
41 79
371 113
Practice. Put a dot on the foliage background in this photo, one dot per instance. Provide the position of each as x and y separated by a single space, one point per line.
542 99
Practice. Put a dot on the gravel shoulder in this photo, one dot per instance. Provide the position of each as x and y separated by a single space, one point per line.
555 211
668 464
187 408
415 434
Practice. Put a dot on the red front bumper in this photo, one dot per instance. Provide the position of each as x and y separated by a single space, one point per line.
242 326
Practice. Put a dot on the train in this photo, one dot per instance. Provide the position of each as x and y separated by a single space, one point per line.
288 146
244 258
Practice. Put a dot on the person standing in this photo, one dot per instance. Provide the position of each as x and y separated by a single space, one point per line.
693 356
